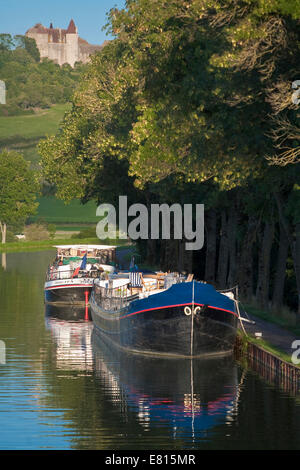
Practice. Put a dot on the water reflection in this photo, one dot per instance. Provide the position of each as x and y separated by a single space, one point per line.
67 312
60 388
3 261
188 397
72 338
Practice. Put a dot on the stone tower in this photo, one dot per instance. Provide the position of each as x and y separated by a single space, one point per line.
63 46
72 44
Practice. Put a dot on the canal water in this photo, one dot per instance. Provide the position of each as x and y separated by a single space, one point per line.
63 387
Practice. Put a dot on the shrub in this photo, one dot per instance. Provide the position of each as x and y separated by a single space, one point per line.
87 233
52 230
35 232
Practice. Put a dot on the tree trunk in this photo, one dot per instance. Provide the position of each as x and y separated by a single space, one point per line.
232 246
171 259
3 231
297 260
211 246
187 260
151 251
180 255
223 253
164 255
245 270
280 273
263 282
294 244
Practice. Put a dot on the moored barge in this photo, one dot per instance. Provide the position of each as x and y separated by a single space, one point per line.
69 279
164 315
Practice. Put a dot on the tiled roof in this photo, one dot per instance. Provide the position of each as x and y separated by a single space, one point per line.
72 28
57 34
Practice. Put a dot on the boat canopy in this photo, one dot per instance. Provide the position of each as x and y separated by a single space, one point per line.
86 247
102 253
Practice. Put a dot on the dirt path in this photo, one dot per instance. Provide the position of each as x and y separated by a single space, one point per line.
275 335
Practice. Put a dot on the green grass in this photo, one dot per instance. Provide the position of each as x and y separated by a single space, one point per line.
284 319
287 320
271 349
73 228
22 133
22 246
32 125
267 346
55 211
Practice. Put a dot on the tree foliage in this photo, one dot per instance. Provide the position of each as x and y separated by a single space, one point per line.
18 190
30 82
191 101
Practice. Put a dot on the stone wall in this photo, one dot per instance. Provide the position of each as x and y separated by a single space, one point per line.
60 45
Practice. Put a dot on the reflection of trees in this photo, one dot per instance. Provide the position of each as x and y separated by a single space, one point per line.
3 261
22 301
266 419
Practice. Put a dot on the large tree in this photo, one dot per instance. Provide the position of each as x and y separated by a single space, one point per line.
18 190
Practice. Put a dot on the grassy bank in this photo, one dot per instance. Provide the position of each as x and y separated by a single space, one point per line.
264 345
22 246
22 134
32 125
285 319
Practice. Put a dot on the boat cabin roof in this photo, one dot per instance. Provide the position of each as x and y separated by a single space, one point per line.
80 250
87 247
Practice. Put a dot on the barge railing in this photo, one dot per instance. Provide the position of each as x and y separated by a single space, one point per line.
57 274
113 298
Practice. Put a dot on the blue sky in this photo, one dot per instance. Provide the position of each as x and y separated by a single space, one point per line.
16 16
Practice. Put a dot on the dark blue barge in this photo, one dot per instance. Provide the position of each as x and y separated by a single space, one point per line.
187 319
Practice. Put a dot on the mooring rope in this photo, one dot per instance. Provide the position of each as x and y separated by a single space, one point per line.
192 320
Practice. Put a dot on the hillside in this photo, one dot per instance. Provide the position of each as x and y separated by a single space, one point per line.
38 95
22 133
56 212
32 83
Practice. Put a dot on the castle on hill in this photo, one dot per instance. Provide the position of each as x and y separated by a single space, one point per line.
63 46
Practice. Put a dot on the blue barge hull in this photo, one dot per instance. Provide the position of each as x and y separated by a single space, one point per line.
189 319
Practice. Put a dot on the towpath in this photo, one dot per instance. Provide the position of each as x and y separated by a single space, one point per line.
277 336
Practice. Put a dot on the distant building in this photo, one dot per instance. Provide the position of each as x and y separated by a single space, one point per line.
2 92
63 46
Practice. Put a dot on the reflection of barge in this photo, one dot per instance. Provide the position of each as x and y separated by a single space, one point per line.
70 277
68 312
72 339
188 396
164 315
